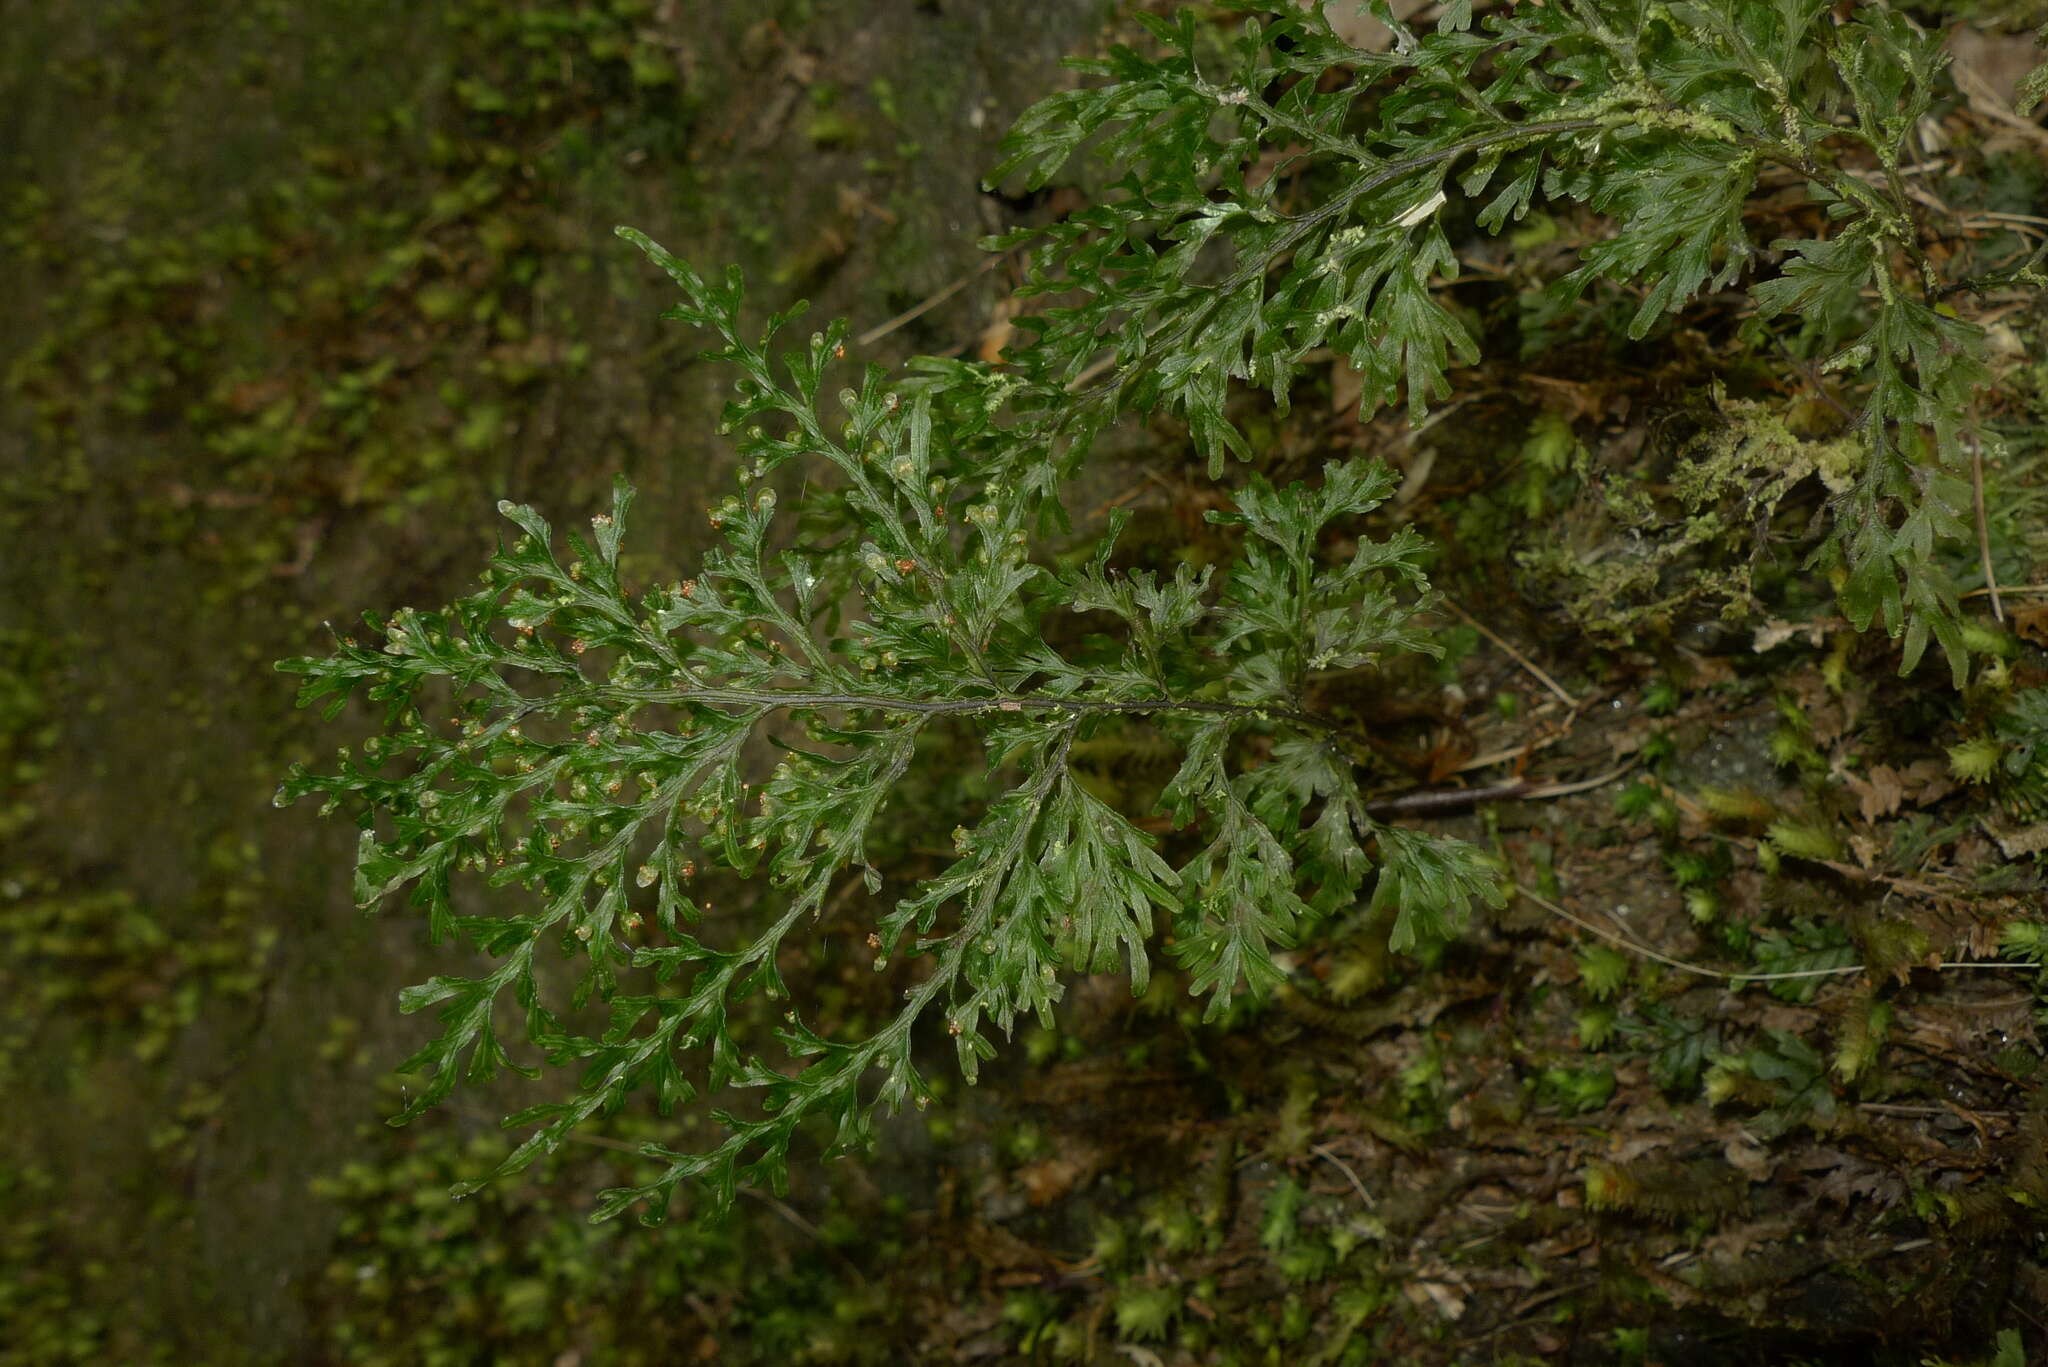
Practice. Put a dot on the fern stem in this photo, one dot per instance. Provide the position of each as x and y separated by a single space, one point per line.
879 702
1191 321
774 1133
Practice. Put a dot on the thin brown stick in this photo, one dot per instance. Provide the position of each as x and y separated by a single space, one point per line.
1701 970
2032 1318
916 311
1425 800
1493 757
1429 801
1891 1108
1325 1151
1094 368
1520 752
1583 785
1517 656
1984 529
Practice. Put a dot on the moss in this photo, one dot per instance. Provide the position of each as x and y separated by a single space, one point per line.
521 1276
1638 560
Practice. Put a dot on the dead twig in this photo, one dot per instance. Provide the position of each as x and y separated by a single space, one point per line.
1455 799
1095 368
1516 752
916 311
1723 975
1520 1317
1521 752
1893 1108
1535 670
1983 528
1427 801
1584 785
1325 1151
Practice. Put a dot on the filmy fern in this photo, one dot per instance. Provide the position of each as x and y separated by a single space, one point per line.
1665 117
601 739
594 743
